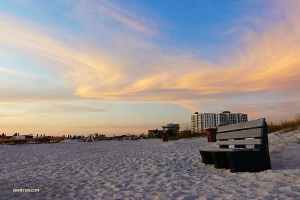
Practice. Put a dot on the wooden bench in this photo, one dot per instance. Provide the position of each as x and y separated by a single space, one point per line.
243 147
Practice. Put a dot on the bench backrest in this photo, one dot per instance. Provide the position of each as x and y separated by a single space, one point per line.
241 134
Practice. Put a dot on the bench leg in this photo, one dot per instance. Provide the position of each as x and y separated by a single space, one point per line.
221 160
248 161
207 157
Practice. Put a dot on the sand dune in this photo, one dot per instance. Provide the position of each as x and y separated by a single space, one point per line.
144 169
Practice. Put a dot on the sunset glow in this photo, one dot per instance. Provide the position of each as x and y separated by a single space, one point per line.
117 67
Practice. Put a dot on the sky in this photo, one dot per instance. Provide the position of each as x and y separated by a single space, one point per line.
117 67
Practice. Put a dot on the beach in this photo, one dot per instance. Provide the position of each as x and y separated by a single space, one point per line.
144 169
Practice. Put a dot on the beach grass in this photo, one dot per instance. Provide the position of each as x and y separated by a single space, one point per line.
284 125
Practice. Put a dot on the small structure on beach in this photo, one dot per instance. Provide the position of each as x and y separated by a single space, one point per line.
171 127
155 133
23 137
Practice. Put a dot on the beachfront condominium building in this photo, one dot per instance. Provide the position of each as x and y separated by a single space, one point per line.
200 121
174 127
196 123
226 118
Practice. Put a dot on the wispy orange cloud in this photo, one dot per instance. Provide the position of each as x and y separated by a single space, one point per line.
267 61
74 67
133 68
130 19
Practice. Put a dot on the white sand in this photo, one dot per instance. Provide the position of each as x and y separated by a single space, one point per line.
144 169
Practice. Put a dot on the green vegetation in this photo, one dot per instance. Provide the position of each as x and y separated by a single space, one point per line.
285 125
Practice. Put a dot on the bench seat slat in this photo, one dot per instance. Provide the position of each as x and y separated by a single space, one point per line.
239 142
242 125
249 133
227 150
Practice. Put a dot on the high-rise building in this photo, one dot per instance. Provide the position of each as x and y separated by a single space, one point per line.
196 123
226 118
200 121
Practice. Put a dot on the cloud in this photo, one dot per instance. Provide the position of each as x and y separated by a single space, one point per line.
270 110
75 68
268 62
66 108
109 13
121 56
131 20
14 72
141 71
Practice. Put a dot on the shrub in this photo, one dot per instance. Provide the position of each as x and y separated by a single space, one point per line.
284 125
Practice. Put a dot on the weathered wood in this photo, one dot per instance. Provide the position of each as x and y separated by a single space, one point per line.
240 158
248 133
242 126
239 142
228 150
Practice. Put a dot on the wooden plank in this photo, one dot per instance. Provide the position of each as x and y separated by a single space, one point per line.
248 133
227 150
239 142
215 150
245 149
242 125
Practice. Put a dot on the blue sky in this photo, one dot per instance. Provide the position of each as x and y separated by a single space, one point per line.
115 67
